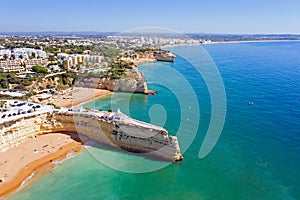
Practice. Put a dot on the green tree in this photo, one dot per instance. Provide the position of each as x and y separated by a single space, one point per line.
32 55
39 69
51 58
27 83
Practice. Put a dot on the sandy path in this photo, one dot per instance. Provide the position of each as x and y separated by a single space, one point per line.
20 162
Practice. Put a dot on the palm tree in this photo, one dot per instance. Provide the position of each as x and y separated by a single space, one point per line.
32 55
5 56
13 57
24 65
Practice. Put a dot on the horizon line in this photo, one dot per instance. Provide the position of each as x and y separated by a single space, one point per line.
192 32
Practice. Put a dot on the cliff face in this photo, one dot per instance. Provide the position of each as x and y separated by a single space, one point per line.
132 81
117 85
152 55
14 132
133 137
145 55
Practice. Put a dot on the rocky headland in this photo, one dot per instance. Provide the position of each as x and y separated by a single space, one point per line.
123 76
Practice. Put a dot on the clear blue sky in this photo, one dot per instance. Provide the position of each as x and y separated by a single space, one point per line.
209 16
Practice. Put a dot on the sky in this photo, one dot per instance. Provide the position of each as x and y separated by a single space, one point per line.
198 16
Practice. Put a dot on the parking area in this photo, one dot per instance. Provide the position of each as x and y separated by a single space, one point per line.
14 109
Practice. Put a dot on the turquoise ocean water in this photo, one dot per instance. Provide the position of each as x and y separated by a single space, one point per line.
256 157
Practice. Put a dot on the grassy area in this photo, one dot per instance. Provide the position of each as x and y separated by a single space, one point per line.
10 78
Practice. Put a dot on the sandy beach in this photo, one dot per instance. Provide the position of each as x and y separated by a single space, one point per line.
76 96
37 154
19 163
82 95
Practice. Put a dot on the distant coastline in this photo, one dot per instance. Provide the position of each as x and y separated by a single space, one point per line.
228 42
252 41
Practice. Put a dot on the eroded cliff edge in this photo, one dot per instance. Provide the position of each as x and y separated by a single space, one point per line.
114 129
122 76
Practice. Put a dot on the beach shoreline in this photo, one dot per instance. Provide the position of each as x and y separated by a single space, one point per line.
85 95
12 181
76 96
34 157
25 174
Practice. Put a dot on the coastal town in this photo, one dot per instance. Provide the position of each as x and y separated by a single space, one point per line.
44 68
149 100
45 79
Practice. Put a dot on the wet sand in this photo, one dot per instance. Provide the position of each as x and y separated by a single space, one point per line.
20 162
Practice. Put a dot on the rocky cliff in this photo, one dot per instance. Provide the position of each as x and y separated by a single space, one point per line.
136 137
126 84
131 81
